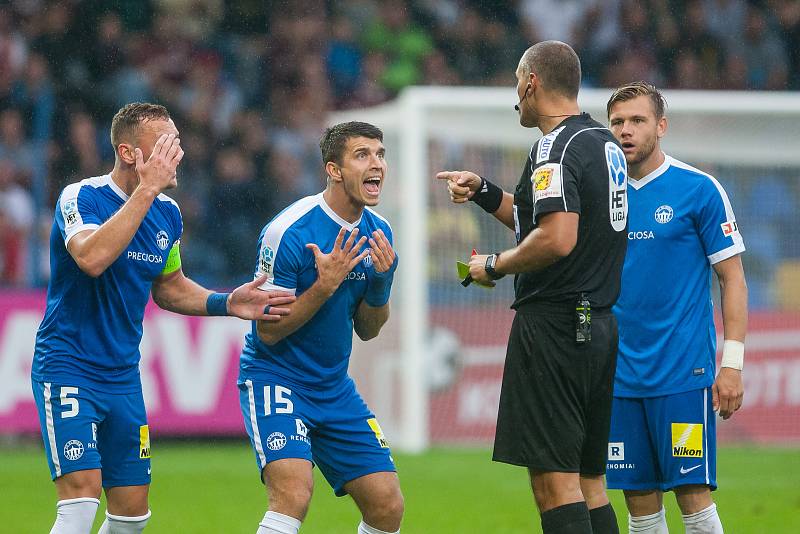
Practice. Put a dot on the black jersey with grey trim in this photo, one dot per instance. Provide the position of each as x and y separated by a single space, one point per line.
570 170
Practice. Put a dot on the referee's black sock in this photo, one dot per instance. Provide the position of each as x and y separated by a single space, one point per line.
571 518
604 520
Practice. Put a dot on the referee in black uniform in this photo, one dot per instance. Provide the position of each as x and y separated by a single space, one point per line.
569 213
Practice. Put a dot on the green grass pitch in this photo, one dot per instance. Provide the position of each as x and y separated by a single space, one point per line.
212 487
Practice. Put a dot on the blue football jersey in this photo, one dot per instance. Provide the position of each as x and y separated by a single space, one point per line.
318 353
92 327
680 223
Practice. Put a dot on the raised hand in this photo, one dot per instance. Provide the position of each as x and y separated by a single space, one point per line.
249 302
461 185
158 172
334 266
382 252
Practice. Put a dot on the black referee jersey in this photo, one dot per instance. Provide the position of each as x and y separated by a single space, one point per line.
578 167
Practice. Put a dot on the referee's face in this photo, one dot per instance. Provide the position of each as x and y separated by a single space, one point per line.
634 124
363 170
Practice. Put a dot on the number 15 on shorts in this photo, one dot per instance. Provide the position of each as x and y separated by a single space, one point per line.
280 401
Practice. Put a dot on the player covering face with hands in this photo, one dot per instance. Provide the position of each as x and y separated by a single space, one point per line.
299 405
115 241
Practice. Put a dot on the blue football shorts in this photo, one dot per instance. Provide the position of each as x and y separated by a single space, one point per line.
332 428
85 428
659 443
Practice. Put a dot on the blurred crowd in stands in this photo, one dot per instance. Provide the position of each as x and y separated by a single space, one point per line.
249 83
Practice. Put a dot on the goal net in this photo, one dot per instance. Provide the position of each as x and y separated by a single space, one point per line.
433 376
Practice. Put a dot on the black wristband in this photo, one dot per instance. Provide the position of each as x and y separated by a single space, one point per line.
488 196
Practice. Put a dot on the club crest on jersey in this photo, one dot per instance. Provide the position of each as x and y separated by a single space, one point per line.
367 260
162 240
617 186
546 181
266 260
664 214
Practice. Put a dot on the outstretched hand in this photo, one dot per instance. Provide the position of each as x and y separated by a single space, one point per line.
462 185
382 252
249 302
158 172
332 268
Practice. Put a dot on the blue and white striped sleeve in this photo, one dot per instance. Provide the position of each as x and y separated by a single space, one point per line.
716 224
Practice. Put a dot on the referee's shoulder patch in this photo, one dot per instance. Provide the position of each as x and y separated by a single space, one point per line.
546 182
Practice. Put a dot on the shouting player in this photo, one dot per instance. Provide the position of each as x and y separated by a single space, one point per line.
300 406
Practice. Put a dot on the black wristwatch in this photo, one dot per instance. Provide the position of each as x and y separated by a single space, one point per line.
489 267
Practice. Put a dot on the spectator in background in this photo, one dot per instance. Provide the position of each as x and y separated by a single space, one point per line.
13 143
705 48
343 60
17 215
763 52
725 19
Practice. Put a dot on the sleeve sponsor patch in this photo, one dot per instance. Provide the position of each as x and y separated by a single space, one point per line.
546 145
729 228
546 182
69 209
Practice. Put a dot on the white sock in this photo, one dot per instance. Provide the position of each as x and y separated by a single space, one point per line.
649 524
120 524
75 516
703 522
364 528
275 523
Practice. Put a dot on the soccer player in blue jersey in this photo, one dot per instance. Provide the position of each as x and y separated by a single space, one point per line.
681 226
115 240
300 407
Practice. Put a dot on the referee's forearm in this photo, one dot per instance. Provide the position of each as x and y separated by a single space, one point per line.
505 213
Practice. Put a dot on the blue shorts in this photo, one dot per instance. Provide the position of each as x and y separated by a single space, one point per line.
659 443
85 428
333 428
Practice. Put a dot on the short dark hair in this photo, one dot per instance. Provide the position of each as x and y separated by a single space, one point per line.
127 120
636 89
557 65
335 138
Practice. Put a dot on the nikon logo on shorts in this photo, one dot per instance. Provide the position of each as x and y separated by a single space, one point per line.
373 424
144 442
687 440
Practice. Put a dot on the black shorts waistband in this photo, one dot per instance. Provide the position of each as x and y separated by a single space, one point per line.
558 308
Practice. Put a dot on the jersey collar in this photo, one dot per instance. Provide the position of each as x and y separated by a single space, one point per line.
338 220
643 181
114 187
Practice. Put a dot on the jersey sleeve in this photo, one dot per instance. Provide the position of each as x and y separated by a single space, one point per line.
76 211
716 223
280 258
555 183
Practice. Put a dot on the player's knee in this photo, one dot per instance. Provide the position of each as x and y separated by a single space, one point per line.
291 498
79 484
693 498
386 507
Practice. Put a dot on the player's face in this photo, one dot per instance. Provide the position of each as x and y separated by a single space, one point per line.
363 170
636 127
148 133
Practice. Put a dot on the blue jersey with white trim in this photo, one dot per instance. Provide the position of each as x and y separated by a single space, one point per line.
680 224
92 327
318 353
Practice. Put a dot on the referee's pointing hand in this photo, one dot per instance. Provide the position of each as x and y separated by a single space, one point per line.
461 185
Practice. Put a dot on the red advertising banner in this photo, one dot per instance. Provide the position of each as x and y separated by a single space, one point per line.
466 410
189 367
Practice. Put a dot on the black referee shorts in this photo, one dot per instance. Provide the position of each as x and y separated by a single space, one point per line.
555 403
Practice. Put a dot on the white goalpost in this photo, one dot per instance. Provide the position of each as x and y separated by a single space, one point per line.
433 376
